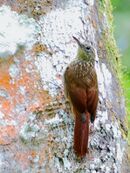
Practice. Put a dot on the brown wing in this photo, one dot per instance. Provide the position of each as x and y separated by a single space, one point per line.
78 97
92 101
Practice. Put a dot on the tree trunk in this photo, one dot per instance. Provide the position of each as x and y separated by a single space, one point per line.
36 123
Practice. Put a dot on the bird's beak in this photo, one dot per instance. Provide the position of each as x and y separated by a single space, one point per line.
77 41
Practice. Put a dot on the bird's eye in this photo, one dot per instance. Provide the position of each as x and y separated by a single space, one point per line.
87 48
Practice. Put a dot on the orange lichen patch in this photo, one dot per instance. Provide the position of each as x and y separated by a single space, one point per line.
11 131
20 102
22 158
39 47
26 158
32 86
6 106
4 75
32 8
33 154
4 79
7 134
42 156
21 99
43 99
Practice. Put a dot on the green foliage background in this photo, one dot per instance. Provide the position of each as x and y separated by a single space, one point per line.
121 11
121 5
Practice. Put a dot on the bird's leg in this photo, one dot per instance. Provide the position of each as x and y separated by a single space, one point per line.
91 127
92 119
83 117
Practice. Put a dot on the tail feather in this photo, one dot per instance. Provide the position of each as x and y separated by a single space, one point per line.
81 133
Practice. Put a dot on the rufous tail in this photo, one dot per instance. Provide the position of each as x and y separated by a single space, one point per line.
81 134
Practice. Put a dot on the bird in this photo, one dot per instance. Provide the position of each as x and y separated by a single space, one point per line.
81 90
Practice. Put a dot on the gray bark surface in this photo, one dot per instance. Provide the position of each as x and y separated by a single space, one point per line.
48 129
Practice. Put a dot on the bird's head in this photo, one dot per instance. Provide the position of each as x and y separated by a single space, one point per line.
85 51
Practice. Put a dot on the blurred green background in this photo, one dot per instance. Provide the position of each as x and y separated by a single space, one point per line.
121 12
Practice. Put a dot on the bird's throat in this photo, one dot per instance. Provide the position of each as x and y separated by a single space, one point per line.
82 55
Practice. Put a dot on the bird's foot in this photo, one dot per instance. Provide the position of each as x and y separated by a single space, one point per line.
90 156
91 128
83 118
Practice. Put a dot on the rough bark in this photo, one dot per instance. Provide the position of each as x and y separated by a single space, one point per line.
36 123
